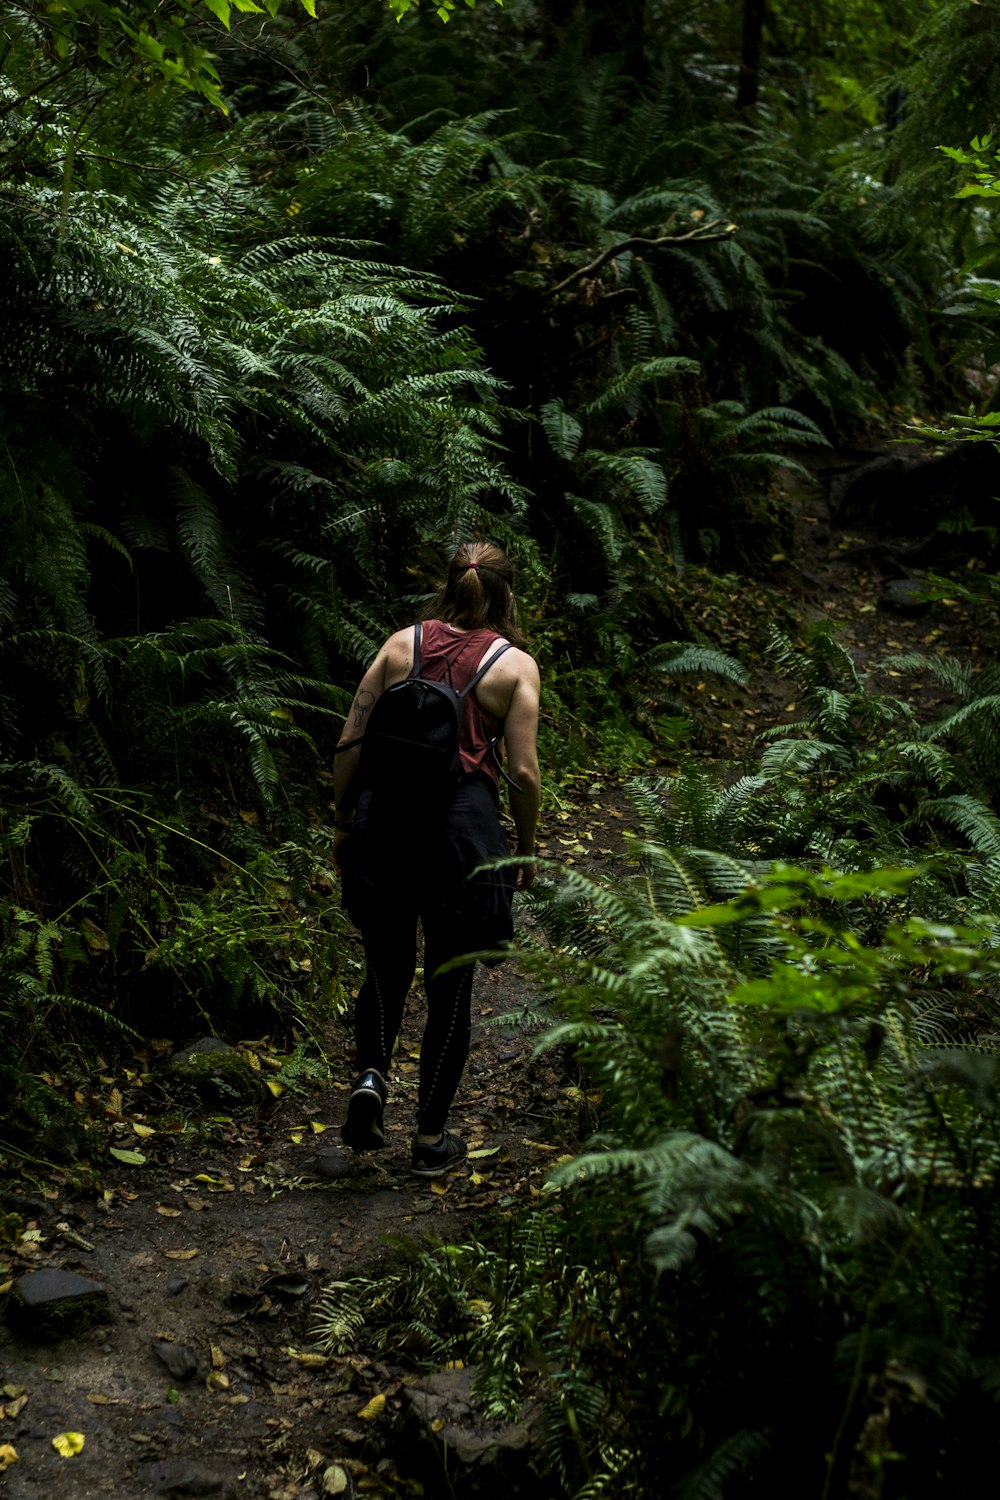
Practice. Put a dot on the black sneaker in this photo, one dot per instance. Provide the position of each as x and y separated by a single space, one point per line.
434 1161
363 1130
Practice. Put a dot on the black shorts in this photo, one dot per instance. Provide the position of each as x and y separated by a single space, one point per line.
430 863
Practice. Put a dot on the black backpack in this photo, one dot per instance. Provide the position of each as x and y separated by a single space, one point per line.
409 750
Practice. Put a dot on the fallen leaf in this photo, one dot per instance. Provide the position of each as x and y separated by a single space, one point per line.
180 1254
310 1361
375 1408
97 1399
131 1158
486 1151
14 1407
143 1131
168 1213
8 1456
277 1089
218 1358
336 1481
67 1444
439 1187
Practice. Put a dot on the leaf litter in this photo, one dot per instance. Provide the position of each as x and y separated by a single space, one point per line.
266 1405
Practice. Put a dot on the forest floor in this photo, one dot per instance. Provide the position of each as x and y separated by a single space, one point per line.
220 1242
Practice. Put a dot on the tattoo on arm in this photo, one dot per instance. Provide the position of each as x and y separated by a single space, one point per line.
362 707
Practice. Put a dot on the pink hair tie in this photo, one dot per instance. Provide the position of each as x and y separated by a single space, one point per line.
473 566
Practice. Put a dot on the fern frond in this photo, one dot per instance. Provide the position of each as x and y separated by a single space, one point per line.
677 658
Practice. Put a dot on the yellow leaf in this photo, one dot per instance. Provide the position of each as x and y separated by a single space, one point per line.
13 1408
375 1408
180 1254
317 1128
218 1358
277 1089
439 1187
454 1364
8 1456
168 1213
97 1399
215 1380
310 1361
143 1131
68 1443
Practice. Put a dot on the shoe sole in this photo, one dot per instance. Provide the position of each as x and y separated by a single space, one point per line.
362 1130
448 1166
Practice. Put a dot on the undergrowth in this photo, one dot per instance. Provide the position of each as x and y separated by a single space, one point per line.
770 1264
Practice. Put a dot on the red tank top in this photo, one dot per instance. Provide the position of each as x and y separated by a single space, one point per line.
453 656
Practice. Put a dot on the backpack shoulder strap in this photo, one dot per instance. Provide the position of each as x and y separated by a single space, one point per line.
417 633
484 669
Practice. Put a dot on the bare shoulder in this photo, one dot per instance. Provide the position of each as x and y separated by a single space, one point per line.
397 655
522 665
399 644
513 680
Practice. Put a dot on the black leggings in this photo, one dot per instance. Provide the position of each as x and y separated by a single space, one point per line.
391 957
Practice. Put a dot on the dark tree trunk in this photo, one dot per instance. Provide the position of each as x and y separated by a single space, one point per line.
621 28
751 47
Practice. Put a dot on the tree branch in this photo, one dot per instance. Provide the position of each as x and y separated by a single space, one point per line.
703 232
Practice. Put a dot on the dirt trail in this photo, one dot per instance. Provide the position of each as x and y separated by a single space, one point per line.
220 1247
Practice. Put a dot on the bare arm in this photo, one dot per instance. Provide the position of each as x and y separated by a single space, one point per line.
347 762
521 741
392 664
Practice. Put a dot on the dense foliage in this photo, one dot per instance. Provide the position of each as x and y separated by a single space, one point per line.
772 1264
584 278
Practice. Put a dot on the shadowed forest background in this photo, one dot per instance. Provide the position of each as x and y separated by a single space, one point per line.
294 302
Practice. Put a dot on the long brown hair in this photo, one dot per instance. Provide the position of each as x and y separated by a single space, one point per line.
479 592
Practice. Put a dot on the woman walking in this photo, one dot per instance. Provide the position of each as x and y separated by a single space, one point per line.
395 876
